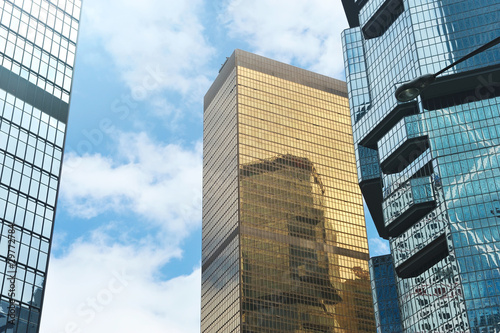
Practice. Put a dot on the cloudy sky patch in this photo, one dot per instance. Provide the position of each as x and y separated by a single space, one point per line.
297 31
127 235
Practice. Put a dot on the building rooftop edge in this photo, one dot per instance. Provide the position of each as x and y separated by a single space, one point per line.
268 66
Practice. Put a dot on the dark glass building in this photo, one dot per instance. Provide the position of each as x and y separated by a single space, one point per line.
284 239
385 295
429 168
37 55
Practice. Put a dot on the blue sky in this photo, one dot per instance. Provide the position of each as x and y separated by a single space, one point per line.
127 241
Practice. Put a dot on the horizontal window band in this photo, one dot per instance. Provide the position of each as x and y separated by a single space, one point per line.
33 95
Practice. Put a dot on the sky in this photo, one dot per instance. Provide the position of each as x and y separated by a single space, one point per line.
126 250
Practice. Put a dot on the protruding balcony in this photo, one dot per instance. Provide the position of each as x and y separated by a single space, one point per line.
371 186
403 144
424 259
382 19
408 204
400 111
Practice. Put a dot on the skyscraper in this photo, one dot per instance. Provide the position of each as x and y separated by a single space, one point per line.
37 54
429 168
284 239
385 294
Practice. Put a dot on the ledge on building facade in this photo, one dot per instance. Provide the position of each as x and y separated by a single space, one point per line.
392 118
373 195
424 259
406 153
469 86
408 205
383 18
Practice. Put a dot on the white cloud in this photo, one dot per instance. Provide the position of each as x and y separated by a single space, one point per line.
156 45
306 33
110 280
378 246
102 288
159 183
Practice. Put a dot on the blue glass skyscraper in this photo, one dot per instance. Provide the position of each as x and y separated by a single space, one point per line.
385 295
429 168
37 53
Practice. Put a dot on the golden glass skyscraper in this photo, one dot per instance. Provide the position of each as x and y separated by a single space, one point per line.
284 238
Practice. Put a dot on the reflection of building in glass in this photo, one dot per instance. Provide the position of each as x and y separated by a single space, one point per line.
385 295
37 53
284 240
429 168
285 274
26 316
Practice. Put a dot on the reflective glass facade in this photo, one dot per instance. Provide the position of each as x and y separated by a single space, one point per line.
428 168
284 239
37 52
385 295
